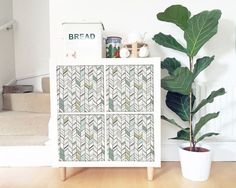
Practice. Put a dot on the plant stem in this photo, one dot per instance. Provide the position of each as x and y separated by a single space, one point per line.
192 144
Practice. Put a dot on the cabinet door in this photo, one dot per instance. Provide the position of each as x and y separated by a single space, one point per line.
80 92
129 88
108 112
80 89
130 107
130 138
81 137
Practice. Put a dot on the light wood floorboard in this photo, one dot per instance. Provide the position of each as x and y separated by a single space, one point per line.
169 176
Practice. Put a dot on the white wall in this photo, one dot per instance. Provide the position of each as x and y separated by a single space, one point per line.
7 70
31 37
125 16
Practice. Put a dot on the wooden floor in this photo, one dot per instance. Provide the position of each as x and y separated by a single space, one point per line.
169 176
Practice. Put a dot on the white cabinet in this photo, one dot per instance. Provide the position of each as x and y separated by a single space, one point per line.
106 112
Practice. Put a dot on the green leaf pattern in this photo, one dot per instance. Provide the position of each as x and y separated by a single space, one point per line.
203 120
168 41
209 99
180 82
201 28
201 64
170 64
179 104
176 14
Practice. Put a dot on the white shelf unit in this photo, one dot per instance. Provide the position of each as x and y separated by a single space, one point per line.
106 161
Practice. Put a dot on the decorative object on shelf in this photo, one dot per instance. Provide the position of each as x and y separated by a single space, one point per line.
113 44
134 49
180 98
135 46
82 40
143 51
124 52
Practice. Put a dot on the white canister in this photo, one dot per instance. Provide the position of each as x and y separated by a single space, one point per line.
82 40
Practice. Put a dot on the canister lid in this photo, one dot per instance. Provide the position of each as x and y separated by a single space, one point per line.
114 37
85 22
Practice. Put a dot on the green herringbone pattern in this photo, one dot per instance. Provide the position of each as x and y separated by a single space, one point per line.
129 88
81 137
130 137
80 88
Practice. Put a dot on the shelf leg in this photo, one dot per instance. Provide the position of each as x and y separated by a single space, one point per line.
63 173
150 173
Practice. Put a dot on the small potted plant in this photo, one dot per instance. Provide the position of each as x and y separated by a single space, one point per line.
198 29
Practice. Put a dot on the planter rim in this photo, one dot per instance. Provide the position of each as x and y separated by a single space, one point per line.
203 145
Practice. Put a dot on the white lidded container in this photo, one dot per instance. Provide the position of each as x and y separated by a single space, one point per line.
83 40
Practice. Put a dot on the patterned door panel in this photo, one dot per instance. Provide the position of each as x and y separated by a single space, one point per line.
130 138
127 118
129 88
81 137
80 88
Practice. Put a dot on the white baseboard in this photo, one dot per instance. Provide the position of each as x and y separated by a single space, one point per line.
42 155
222 151
25 156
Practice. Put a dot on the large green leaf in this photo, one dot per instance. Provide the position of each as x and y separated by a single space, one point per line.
201 28
172 121
180 82
176 14
179 104
169 42
203 120
182 135
170 64
201 64
206 135
209 99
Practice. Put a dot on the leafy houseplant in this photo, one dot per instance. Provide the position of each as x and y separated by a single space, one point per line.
180 98
198 29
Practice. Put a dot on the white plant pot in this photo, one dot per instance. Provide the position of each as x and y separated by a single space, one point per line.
195 166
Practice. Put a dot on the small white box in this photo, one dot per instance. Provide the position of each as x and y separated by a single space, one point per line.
83 40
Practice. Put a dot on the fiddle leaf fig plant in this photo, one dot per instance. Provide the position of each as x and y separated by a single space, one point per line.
197 31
